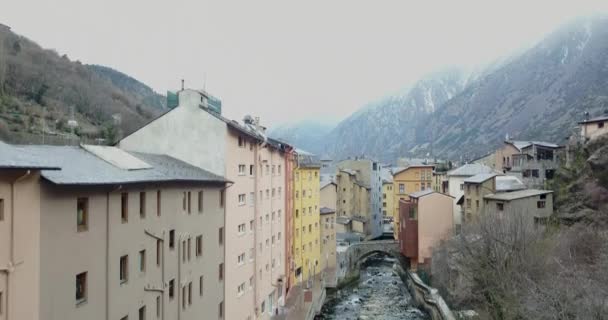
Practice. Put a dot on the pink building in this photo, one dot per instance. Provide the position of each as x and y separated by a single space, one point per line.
425 220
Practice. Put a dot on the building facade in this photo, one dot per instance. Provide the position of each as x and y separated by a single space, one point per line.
537 205
408 180
197 133
145 243
456 179
387 199
328 238
426 219
306 222
329 195
594 127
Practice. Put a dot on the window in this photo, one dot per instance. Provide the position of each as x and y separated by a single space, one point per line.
241 259
221 198
240 289
142 205
190 293
189 249
221 310
549 174
124 269
200 285
401 188
242 169
82 213
251 199
297 194
273 167
279 170
200 202
142 261
158 307
158 202
124 207
476 204
303 193
297 213
468 203
251 168
500 206
535 173
189 202
221 271
171 289
600 125
172 239
526 173
159 248
199 246
412 213
251 225
184 297
241 228
142 313
540 204
241 142
1 209
461 187
242 199
81 289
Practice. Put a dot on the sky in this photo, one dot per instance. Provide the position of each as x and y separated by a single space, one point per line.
286 61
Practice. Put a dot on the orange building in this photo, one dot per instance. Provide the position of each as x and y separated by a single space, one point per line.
408 180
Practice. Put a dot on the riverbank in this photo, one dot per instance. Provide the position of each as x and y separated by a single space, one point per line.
379 294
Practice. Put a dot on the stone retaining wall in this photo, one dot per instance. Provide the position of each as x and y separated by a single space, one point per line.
425 297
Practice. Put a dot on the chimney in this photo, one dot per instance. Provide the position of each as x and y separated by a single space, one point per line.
586 115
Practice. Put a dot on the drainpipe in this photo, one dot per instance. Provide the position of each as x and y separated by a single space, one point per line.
12 264
108 250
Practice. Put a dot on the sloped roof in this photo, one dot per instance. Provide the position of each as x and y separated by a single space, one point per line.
398 170
508 183
422 193
480 178
525 144
596 119
326 210
470 169
81 167
326 183
15 157
508 196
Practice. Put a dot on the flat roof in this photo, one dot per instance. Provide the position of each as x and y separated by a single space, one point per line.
470 169
508 196
401 169
326 210
596 119
480 178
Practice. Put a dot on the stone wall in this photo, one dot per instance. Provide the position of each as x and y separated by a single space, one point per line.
425 297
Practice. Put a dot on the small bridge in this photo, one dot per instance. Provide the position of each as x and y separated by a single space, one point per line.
358 251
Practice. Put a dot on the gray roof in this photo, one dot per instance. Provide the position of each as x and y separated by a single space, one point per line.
359 218
401 169
470 169
326 210
326 183
422 193
508 183
508 196
80 167
14 157
596 119
479 178
524 144
343 220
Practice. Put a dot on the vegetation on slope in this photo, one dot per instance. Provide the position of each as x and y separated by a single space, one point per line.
40 91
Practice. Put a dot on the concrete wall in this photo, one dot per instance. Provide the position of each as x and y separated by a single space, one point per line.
187 133
593 130
97 251
504 157
473 197
329 196
435 223
19 253
328 240
527 205
240 305
454 190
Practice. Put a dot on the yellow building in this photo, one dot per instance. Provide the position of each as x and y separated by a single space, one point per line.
387 199
406 181
306 243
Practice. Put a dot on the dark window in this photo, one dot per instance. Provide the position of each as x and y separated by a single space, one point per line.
1 209
201 285
221 271
124 269
82 213
526 173
190 293
221 310
221 198
158 203
81 289
124 207
600 124
540 204
172 239
142 313
221 236
158 307
535 173
142 261
184 201
500 206
159 248
412 213
199 246
200 202
543 196
142 205
171 289
549 173
251 170
189 202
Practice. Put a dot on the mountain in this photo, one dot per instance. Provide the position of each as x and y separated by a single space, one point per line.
387 128
538 94
41 91
307 134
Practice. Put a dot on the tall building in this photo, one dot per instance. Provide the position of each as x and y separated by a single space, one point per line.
196 132
328 238
98 233
387 199
306 222
406 181
367 174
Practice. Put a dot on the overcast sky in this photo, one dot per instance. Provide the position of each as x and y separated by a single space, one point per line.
287 60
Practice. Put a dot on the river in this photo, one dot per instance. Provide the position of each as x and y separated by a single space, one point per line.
379 294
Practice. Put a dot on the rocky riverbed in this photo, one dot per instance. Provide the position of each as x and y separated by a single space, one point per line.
379 294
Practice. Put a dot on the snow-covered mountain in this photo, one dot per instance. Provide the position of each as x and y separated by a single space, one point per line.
307 134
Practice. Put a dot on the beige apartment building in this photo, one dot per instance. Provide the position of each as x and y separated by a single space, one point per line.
328 238
196 132
99 233
329 195
352 201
